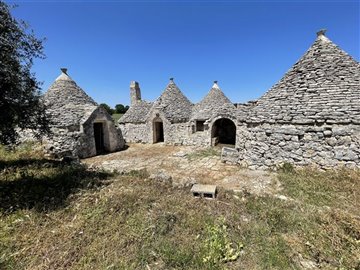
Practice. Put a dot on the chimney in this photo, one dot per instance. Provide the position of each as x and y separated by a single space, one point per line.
135 94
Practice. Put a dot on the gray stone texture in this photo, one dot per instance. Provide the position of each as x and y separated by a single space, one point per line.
310 117
173 104
323 86
212 104
137 113
72 113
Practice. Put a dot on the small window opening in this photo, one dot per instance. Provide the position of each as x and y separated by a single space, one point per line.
200 125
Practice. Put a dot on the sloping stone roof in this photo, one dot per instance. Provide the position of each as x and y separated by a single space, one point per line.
137 113
67 103
244 109
324 85
215 100
173 103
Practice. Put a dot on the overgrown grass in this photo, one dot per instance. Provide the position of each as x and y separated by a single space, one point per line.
130 222
30 181
334 188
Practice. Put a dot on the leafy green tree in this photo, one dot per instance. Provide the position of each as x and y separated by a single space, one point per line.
107 108
120 108
20 98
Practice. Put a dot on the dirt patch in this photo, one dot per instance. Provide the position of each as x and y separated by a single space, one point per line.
186 165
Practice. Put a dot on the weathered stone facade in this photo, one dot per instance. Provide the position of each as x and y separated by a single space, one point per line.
80 127
312 116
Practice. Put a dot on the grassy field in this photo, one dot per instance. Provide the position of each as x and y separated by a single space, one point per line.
116 116
55 215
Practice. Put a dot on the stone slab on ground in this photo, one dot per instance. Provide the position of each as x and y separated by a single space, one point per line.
229 155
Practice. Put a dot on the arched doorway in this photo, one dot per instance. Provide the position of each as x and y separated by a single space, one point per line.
158 130
223 131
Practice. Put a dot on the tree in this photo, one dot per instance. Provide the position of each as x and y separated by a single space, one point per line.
20 98
107 108
120 108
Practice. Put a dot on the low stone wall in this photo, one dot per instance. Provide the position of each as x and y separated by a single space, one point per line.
267 146
199 138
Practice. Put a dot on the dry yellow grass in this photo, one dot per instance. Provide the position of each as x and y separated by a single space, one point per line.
68 217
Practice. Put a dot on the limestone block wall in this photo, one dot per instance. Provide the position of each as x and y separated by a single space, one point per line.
134 133
63 142
203 138
113 139
176 133
268 145
198 138
78 140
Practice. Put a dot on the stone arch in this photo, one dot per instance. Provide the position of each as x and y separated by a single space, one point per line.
158 129
223 131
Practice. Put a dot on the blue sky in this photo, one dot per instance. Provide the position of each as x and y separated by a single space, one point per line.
246 45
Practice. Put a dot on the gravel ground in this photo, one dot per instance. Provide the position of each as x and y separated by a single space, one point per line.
185 165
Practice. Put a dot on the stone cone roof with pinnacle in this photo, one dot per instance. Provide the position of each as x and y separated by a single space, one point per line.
214 101
176 107
324 85
67 104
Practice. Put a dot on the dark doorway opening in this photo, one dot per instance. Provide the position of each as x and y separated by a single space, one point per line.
224 132
99 138
159 132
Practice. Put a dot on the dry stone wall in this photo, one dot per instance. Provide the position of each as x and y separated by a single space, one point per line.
135 133
267 146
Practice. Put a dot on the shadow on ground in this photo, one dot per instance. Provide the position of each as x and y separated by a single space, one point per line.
43 185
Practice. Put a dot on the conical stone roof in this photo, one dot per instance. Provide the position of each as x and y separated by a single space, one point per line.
67 103
324 85
137 113
214 101
173 103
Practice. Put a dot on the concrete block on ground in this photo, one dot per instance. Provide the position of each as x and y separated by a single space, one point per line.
204 191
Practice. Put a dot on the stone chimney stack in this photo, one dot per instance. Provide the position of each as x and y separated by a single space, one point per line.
135 94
